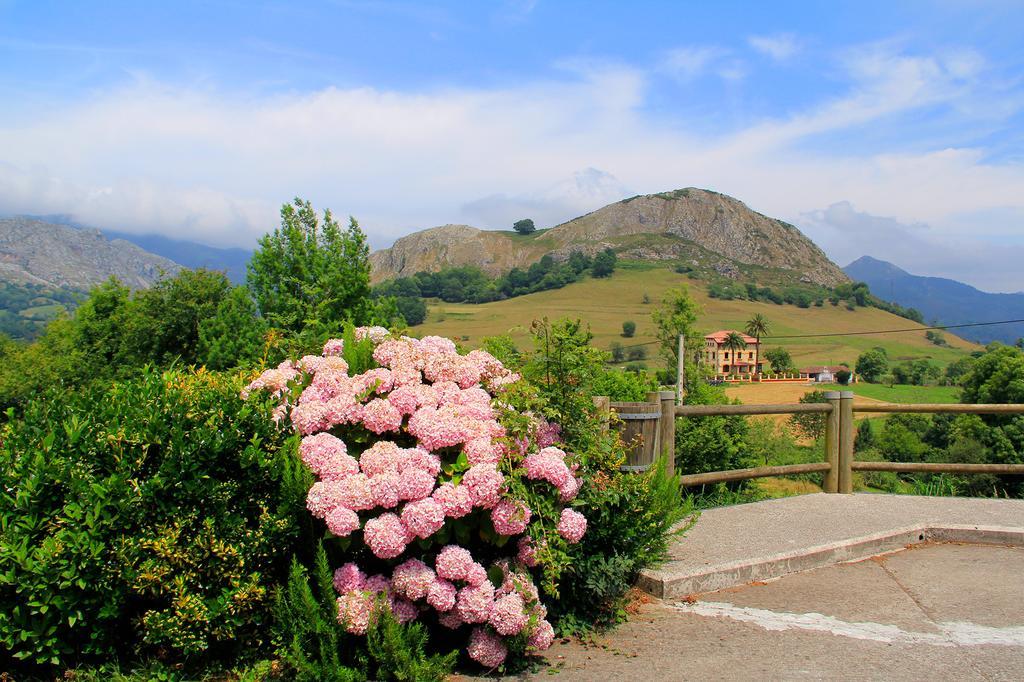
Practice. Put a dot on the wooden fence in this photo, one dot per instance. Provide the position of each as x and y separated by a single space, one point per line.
838 463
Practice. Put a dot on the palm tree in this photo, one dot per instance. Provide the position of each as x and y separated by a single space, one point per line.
757 326
734 342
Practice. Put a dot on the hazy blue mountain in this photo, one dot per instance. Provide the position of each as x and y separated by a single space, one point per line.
231 261
191 254
945 300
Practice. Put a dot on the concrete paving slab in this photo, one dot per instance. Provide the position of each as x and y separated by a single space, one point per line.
743 543
986 588
807 626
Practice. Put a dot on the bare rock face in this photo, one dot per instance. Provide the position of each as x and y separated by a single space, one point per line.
718 223
60 256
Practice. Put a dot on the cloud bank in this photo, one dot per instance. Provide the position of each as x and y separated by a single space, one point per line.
214 165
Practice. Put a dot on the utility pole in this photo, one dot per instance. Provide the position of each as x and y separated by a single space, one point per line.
681 370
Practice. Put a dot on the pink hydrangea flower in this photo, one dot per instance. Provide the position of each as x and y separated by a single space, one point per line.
334 347
482 450
476 573
326 456
354 492
437 428
450 619
415 484
527 554
454 499
377 583
486 648
381 416
418 458
324 496
381 457
385 536
404 610
510 517
441 595
310 417
385 489
375 334
412 579
341 521
475 602
354 611
542 636
349 578
548 465
568 491
572 525
423 517
508 616
484 483
453 562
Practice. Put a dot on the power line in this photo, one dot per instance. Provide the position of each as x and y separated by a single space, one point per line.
895 331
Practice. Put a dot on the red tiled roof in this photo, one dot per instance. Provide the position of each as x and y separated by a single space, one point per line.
721 335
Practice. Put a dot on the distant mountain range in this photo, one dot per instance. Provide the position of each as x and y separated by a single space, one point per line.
670 226
945 300
231 261
51 255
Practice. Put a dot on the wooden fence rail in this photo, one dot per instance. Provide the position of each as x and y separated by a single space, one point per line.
838 463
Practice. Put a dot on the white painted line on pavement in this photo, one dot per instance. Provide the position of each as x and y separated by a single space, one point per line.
953 633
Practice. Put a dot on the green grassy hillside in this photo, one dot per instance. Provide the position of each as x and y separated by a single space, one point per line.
607 303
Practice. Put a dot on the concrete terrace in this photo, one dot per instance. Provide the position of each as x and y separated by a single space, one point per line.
731 546
826 587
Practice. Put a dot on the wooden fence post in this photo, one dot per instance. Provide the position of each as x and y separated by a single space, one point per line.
846 433
604 410
666 427
832 431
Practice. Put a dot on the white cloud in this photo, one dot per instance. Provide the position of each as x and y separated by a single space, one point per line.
687 63
779 47
846 234
583 192
214 166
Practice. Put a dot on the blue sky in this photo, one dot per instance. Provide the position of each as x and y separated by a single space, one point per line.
894 129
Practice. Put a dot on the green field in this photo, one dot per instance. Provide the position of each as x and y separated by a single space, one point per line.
606 303
900 393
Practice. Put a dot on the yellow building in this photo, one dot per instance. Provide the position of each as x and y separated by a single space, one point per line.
724 360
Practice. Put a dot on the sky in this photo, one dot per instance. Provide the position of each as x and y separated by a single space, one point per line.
889 129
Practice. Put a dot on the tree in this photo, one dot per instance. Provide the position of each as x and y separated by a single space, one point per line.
413 310
604 264
234 335
872 364
524 226
628 328
677 315
637 353
618 352
757 326
810 424
734 342
310 272
780 359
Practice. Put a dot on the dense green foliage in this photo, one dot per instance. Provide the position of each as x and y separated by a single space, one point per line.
524 226
677 315
151 515
628 328
780 360
713 443
25 309
873 364
469 284
630 516
316 648
810 424
311 272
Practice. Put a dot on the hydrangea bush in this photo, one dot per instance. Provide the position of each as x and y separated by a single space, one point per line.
446 492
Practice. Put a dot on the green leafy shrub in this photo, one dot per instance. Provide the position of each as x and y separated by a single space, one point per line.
709 443
632 520
152 516
316 648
